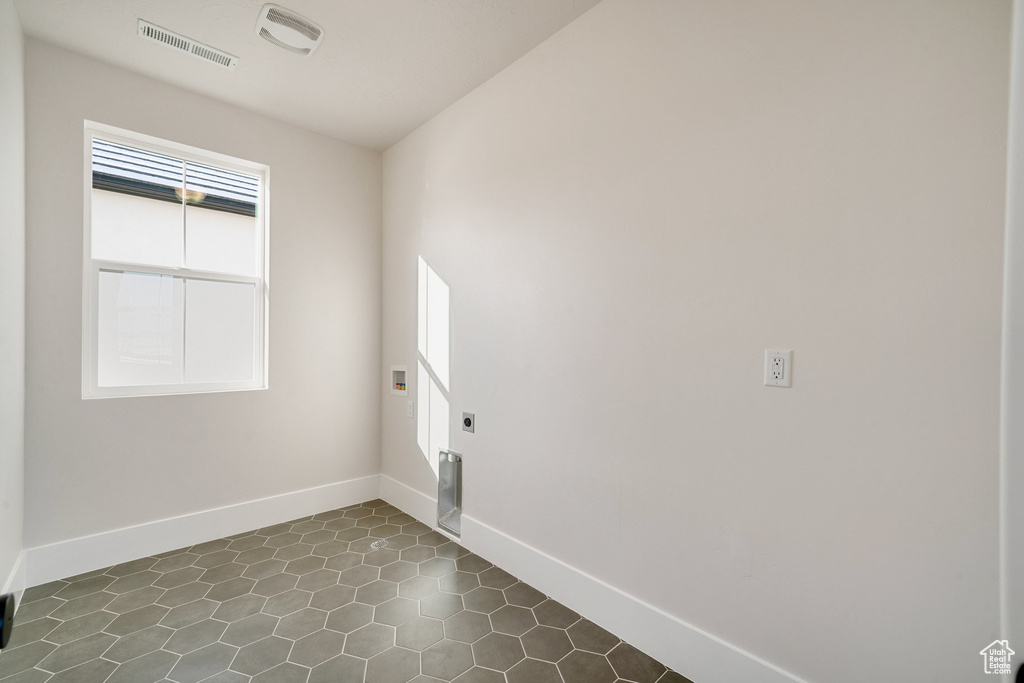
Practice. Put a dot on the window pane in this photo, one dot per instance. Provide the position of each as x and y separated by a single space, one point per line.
220 242
221 190
220 329
134 229
220 220
136 205
138 172
140 329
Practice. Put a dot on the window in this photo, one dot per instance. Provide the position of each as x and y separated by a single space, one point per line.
175 292
432 427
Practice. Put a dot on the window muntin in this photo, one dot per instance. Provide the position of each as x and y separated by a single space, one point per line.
175 268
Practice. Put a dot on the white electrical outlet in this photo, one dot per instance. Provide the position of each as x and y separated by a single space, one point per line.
409 408
778 368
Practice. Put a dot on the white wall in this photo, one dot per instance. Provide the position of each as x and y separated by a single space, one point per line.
1012 474
630 215
12 289
98 465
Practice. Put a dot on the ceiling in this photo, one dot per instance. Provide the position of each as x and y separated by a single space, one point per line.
384 66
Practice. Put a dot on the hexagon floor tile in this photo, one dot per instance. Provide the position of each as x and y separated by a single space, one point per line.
310 601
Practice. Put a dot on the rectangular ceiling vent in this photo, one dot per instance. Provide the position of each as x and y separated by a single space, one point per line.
288 30
182 44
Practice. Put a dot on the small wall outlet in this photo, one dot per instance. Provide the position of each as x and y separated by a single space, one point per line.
409 408
468 422
778 368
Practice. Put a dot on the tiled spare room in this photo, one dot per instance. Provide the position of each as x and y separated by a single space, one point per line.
659 340
314 600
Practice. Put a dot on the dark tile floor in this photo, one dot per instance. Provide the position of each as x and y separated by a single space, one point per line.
313 601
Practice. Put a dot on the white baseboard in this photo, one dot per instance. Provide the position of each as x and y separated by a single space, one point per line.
680 646
684 648
47 563
15 582
409 500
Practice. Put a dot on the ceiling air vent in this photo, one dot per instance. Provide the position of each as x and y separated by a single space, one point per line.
182 44
288 30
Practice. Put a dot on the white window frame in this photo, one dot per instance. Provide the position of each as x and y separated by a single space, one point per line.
91 268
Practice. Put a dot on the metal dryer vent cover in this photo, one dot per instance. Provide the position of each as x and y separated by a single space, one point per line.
182 44
288 30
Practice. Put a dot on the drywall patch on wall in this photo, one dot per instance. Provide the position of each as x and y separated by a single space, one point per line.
12 287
